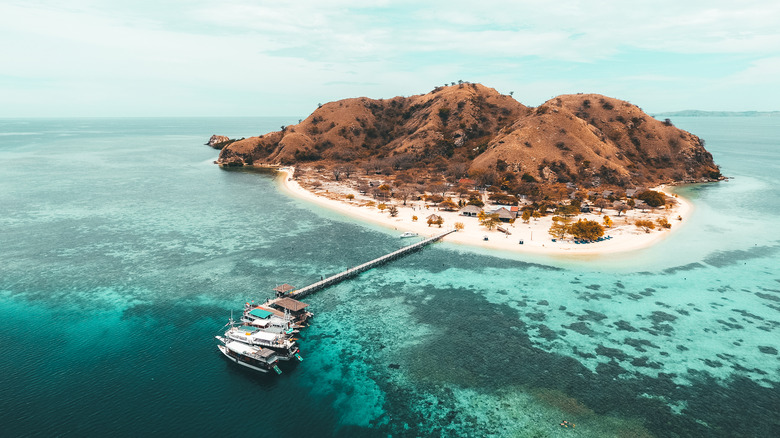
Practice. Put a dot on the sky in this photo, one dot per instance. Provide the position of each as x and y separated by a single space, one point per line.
261 58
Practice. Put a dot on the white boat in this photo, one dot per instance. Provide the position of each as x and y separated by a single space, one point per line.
277 340
409 234
269 319
256 358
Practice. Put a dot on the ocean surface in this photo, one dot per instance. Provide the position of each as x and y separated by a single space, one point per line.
124 249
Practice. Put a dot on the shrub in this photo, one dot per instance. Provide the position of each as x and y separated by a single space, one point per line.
645 225
652 198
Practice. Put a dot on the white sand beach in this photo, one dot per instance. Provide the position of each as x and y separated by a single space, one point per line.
534 235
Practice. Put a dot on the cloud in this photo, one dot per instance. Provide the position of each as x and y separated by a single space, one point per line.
379 48
761 71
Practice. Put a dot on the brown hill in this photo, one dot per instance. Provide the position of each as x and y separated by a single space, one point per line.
588 139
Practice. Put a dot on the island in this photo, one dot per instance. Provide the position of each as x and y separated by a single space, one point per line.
579 174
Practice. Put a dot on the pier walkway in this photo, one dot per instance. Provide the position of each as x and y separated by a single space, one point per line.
351 272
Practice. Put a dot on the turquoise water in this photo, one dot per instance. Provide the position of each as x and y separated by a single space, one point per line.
123 250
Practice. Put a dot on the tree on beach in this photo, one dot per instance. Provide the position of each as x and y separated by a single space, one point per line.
440 189
403 193
348 170
527 214
645 225
490 221
586 229
607 221
601 203
620 208
558 230
336 172
393 210
652 198
459 226
448 205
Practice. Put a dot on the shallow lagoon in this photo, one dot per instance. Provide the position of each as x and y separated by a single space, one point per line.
124 249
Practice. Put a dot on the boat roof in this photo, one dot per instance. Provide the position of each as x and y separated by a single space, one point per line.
291 304
257 333
241 348
260 313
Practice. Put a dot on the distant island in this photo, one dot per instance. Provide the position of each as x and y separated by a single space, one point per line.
699 113
466 150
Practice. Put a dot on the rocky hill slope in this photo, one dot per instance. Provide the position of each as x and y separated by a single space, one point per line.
587 139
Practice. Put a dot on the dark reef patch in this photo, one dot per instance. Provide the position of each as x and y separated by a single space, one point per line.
612 353
625 326
768 297
639 344
645 362
688 267
581 328
730 325
767 350
546 333
591 315
712 363
659 317
720 259
747 314
715 408
585 296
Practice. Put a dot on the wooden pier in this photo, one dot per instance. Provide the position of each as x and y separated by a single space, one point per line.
351 272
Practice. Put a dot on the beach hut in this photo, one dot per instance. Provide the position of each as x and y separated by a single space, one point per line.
296 308
504 215
283 289
470 210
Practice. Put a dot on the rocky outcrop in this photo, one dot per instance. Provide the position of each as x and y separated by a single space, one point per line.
218 141
587 139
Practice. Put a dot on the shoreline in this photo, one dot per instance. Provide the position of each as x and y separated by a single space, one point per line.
534 235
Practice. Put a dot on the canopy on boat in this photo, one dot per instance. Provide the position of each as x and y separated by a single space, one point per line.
260 313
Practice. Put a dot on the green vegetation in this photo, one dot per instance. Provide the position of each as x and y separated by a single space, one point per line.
652 198
586 230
